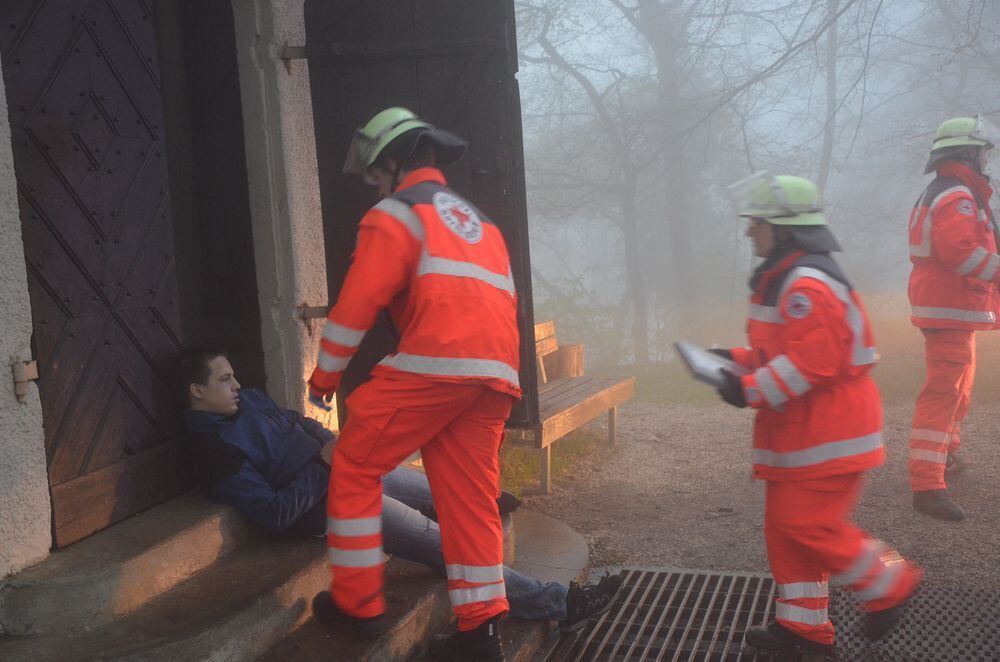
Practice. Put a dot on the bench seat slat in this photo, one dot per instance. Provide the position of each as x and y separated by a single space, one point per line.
580 406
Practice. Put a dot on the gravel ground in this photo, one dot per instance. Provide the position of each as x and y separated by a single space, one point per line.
676 491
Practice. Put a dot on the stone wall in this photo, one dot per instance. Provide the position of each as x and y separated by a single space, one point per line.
284 191
25 514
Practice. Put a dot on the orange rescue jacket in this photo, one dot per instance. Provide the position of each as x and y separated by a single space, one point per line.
810 355
953 248
442 270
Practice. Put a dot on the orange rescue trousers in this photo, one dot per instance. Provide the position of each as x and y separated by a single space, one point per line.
810 538
458 428
942 405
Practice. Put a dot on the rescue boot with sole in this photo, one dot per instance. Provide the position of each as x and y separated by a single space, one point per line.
482 644
775 638
938 504
328 613
586 602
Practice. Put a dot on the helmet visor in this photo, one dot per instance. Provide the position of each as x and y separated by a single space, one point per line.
357 153
985 130
761 195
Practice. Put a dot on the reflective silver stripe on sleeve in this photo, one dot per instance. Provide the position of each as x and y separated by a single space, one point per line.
833 450
929 435
356 558
882 585
955 314
797 614
330 363
464 596
794 380
990 270
445 267
769 387
928 456
769 314
403 213
359 526
975 258
342 335
860 355
871 549
479 574
798 590
448 367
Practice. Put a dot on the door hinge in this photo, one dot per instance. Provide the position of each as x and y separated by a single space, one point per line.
24 372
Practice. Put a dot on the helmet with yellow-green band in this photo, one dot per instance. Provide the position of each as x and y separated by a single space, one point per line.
954 138
394 124
779 199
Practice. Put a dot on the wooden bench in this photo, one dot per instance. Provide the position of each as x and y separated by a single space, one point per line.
567 399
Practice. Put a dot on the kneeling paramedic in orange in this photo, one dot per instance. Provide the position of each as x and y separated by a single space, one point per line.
819 420
441 269
953 294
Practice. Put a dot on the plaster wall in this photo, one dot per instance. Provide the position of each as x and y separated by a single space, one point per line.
25 513
284 192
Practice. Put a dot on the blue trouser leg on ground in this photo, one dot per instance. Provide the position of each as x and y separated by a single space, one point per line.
409 535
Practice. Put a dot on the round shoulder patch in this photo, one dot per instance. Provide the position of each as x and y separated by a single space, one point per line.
799 305
459 216
965 208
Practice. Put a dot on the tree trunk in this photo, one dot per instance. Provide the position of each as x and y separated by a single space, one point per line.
635 277
829 130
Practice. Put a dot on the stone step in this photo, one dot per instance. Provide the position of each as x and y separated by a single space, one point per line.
234 610
115 572
546 548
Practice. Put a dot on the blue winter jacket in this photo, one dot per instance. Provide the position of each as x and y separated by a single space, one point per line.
264 461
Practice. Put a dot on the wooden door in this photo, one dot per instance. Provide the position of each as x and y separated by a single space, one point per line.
454 64
83 94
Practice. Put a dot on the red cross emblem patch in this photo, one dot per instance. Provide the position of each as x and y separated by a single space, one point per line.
459 216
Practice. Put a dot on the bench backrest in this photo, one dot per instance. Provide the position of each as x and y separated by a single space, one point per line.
545 339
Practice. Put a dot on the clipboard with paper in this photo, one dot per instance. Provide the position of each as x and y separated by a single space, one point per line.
706 366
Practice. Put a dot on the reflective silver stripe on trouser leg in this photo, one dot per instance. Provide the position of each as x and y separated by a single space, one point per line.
797 590
464 596
797 614
871 550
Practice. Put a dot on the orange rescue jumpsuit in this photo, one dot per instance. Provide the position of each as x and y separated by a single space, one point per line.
953 293
817 430
443 271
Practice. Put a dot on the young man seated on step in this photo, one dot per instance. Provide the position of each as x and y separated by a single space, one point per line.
268 463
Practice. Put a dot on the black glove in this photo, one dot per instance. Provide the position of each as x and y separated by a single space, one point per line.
724 353
732 390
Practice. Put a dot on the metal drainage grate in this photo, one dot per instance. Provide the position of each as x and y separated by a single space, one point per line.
667 614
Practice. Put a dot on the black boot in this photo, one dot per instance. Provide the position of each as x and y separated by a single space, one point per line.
585 602
479 645
937 504
776 639
327 612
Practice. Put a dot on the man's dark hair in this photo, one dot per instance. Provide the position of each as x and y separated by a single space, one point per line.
191 366
409 150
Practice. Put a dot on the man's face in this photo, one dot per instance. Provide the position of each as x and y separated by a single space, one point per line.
220 394
382 178
762 236
984 157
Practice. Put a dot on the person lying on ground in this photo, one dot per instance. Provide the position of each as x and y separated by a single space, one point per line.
268 463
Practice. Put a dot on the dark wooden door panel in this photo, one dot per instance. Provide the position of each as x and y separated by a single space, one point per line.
454 63
86 115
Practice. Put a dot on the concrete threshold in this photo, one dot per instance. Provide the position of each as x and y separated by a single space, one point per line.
254 603
233 610
116 571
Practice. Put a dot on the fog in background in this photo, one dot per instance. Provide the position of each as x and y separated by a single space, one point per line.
639 113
